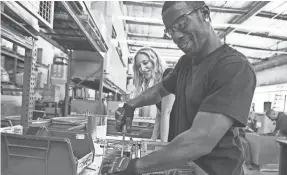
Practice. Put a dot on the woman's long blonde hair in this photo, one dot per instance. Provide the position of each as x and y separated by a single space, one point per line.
158 64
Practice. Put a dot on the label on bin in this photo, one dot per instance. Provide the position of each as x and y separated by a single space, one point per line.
84 162
80 136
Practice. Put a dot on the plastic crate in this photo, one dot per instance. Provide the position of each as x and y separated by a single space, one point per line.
46 152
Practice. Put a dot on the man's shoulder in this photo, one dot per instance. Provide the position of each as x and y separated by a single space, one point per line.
233 57
182 59
181 62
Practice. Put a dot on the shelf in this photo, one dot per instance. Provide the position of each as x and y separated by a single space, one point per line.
74 30
11 54
94 84
20 16
13 37
21 58
20 26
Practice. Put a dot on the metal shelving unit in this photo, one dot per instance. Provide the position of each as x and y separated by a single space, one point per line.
72 30
15 32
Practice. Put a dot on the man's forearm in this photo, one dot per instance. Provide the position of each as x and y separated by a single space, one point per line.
184 148
149 97
206 131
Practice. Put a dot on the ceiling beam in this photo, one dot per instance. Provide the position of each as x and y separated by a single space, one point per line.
169 45
265 14
259 49
142 20
158 22
264 35
144 4
164 53
212 8
283 49
139 22
257 7
136 35
235 11
166 58
161 49
174 59
157 47
253 48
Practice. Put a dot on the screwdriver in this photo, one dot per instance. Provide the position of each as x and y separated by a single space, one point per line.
123 140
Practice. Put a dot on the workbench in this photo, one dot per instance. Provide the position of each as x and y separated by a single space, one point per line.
94 167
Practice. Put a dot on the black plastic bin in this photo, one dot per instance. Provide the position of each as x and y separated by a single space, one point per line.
46 152
283 157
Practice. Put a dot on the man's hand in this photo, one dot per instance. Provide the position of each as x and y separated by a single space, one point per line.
119 166
124 116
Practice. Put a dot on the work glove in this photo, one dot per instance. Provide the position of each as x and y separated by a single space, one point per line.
118 166
124 116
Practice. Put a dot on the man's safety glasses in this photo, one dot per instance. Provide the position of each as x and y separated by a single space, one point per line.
179 23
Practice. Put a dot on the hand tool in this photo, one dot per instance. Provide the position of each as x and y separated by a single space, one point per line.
123 140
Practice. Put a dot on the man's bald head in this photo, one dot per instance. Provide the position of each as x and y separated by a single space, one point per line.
190 4
188 24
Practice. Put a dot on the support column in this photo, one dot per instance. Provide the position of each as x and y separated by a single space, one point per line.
93 122
28 87
67 87
101 80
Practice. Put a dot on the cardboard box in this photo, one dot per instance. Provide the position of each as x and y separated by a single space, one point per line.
264 149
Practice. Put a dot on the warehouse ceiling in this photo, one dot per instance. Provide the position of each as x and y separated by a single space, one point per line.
256 28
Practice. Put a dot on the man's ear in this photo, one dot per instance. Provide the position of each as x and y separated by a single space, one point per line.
206 14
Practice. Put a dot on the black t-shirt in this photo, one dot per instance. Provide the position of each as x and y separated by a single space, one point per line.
223 82
165 73
281 123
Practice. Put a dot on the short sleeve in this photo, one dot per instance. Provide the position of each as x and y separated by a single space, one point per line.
166 72
169 81
231 91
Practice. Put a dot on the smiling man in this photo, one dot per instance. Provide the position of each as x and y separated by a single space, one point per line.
213 85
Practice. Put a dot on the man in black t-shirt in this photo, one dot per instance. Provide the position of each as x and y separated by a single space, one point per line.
213 85
281 122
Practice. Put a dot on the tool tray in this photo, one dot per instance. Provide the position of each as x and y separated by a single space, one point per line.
46 152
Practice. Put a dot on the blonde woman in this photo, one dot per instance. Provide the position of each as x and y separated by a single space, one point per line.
149 70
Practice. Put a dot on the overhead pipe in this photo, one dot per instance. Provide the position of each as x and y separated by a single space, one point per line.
271 63
272 76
